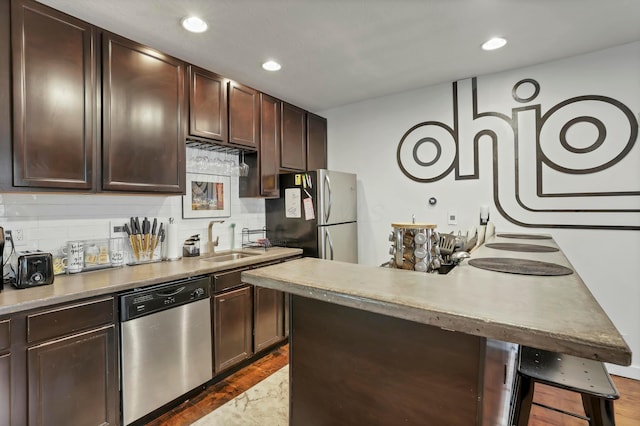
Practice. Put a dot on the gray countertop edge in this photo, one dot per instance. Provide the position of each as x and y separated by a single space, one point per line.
74 287
452 322
465 300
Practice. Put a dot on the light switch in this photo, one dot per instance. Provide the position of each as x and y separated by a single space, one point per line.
452 218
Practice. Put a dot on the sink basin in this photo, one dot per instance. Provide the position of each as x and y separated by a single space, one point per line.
225 257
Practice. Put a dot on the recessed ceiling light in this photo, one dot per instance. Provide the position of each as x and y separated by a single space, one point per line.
494 43
194 24
271 66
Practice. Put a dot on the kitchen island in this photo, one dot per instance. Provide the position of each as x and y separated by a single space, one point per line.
374 345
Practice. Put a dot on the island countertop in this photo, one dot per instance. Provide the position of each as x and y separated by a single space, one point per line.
556 313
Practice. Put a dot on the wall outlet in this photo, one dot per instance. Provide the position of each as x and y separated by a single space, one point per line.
452 218
18 235
116 229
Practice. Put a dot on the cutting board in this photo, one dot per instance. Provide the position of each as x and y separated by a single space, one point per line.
525 236
532 248
520 266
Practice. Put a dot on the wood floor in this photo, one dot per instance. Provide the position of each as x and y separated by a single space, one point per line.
627 408
225 390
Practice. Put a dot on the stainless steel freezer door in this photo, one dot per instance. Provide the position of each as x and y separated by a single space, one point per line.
336 197
339 242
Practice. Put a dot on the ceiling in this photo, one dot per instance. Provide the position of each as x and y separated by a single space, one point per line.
336 52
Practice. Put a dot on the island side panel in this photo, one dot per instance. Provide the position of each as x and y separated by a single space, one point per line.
353 367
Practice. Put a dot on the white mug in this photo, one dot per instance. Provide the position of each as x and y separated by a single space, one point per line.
75 256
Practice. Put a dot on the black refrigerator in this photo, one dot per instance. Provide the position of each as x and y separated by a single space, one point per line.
317 212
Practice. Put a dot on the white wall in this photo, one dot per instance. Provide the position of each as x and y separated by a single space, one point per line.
363 139
49 220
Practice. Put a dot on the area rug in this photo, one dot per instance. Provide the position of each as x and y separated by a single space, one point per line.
266 403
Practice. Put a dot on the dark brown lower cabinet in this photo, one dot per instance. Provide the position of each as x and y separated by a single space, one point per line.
232 327
73 380
5 389
267 317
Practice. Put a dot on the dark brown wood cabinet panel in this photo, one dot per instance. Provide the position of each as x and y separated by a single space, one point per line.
316 142
6 160
5 389
264 165
70 319
415 372
54 98
293 151
143 117
270 139
232 328
5 335
207 105
227 280
267 317
244 115
74 381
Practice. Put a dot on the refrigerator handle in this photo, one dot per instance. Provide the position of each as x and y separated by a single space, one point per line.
328 237
328 212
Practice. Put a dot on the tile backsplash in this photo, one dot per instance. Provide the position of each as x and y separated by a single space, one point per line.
47 221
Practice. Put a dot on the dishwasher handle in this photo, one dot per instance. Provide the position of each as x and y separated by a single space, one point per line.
171 293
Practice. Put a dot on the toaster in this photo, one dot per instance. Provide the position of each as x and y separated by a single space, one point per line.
34 269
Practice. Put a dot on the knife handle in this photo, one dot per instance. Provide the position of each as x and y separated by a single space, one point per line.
154 244
134 247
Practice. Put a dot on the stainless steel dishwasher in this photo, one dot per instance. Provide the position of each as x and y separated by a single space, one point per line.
166 344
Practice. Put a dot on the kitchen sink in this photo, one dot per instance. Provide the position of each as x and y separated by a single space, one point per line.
225 257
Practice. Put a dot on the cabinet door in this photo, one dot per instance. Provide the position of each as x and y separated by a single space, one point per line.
232 327
293 150
316 142
5 389
269 146
268 316
207 105
143 117
244 115
54 89
74 381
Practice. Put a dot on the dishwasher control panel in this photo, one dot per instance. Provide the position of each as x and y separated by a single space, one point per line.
152 299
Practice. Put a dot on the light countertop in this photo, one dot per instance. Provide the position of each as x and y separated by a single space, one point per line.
68 288
556 313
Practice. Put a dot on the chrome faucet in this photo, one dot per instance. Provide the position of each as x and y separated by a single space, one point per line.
211 245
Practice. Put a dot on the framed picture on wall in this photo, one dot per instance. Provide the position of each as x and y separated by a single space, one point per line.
207 196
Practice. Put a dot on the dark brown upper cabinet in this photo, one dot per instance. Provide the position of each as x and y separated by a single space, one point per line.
270 140
207 105
316 142
244 116
54 98
264 166
293 151
143 114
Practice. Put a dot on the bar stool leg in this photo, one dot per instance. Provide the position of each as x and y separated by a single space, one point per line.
523 400
599 410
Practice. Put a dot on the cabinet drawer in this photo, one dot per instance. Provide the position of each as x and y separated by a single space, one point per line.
69 319
226 280
5 335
